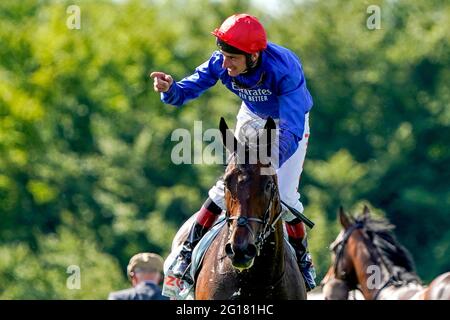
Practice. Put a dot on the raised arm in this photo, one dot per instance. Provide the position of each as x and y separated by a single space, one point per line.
180 92
161 81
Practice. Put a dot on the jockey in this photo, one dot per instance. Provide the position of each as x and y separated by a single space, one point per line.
270 82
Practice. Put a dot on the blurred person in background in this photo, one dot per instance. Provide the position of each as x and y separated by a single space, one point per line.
145 274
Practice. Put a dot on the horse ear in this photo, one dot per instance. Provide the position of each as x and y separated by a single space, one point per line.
344 219
223 126
366 212
270 124
226 134
267 139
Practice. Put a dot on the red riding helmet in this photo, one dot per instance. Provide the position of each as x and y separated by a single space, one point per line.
244 32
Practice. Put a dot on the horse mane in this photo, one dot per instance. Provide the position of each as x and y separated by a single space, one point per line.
395 254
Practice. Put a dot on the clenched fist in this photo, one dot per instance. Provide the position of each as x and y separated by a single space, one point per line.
161 81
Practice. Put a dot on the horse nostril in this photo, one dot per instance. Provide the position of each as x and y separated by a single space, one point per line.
229 250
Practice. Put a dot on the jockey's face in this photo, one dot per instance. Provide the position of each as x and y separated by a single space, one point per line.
235 63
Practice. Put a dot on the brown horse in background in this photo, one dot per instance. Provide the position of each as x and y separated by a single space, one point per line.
368 257
249 258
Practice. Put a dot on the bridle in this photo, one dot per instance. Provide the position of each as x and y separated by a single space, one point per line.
339 250
268 227
340 246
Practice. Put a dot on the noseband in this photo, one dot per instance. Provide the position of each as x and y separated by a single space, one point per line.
268 227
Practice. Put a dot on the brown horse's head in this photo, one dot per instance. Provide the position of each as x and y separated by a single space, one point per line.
342 269
251 197
362 242
341 277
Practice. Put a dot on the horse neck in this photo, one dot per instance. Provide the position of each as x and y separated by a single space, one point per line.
368 277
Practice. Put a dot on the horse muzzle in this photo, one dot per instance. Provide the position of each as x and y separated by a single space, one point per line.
241 257
335 289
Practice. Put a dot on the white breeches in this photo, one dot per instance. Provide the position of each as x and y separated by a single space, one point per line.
288 174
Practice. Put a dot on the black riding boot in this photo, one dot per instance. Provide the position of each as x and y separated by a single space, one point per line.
304 261
205 219
181 267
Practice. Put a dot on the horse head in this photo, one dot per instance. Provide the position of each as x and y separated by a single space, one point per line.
251 196
367 256
341 276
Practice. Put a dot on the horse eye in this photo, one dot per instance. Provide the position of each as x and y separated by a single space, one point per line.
268 185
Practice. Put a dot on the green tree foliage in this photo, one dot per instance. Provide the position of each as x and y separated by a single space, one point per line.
86 176
48 274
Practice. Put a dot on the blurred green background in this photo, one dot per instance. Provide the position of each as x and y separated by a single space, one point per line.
85 172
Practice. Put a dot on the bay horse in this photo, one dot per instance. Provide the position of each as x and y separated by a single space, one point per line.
249 258
368 257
